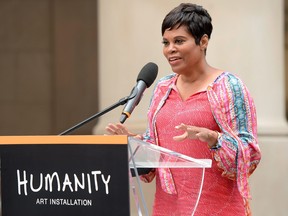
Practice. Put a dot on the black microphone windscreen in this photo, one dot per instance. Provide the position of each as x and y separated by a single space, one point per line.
148 73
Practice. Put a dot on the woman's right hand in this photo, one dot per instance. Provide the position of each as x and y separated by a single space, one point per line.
118 129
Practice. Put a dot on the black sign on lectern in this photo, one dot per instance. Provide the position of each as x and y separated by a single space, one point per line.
64 179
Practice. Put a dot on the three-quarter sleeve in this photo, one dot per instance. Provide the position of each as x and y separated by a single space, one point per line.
237 152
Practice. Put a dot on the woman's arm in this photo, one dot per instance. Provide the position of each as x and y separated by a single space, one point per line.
237 152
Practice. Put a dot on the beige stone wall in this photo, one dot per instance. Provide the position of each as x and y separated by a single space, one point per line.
48 65
24 66
248 40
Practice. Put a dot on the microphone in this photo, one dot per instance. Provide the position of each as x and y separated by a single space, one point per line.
145 79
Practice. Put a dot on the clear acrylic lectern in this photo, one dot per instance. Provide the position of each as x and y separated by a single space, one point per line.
146 155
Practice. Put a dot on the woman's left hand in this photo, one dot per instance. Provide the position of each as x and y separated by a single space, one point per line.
200 133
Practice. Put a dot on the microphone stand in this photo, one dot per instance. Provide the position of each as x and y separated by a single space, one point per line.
133 171
122 101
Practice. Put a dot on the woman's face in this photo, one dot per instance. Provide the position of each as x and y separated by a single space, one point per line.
181 50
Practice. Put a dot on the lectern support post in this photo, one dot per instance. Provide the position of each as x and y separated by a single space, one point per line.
146 155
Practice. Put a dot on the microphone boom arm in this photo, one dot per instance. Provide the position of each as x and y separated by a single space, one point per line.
145 78
122 101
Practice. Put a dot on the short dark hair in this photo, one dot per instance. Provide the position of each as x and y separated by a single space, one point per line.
195 17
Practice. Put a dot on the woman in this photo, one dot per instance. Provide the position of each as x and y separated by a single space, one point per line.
202 112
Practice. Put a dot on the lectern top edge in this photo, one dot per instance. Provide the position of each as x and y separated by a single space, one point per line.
67 139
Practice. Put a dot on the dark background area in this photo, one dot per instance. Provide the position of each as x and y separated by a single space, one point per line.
48 66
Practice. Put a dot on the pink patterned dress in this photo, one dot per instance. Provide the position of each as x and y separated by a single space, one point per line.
227 107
